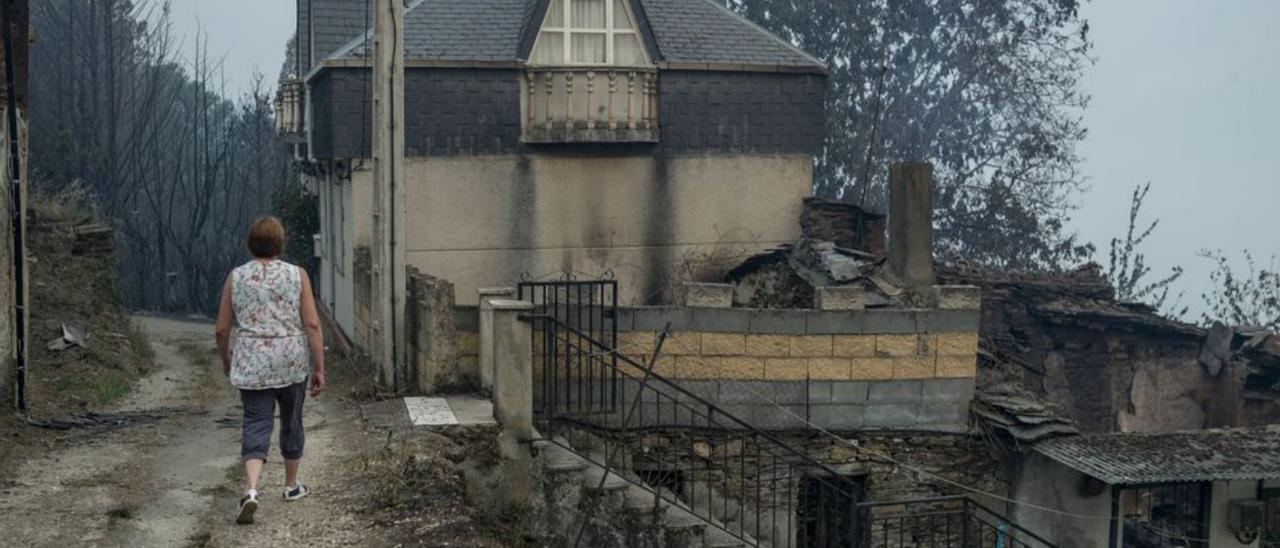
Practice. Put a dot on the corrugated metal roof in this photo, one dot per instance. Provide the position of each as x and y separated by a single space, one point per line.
686 31
1203 455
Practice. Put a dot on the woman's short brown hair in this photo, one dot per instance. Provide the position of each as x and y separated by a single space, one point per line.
266 238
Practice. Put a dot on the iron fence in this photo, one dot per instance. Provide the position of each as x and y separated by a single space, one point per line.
693 457
944 522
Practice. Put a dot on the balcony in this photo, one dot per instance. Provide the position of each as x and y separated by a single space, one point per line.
291 110
589 105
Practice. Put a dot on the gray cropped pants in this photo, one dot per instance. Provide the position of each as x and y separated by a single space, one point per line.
259 417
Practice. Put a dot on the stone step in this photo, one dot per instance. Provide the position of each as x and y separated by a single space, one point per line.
558 459
639 499
716 538
592 484
676 518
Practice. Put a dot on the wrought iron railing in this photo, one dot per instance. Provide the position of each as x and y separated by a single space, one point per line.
733 477
945 522
598 104
694 457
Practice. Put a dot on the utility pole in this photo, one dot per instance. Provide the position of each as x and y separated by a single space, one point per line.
388 195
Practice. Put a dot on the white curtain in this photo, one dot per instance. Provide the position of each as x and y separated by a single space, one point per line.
626 50
550 50
620 19
587 14
589 48
555 15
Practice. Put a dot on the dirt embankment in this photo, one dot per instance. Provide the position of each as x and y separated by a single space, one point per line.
86 352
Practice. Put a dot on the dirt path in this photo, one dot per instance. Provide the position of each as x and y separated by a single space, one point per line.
174 482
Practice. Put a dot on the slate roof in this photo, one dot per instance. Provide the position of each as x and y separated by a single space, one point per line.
336 22
448 30
1202 455
702 31
685 31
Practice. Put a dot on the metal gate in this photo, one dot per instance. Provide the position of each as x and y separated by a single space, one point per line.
575 365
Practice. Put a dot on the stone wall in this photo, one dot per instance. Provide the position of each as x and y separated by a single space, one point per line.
1106 365
442 357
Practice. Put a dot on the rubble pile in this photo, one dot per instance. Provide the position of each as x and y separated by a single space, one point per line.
840 245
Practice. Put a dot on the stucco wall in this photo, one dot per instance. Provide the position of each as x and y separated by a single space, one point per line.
337 253
1043 482
486 221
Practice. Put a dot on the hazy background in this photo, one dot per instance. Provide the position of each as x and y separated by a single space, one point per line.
1186 96
248 35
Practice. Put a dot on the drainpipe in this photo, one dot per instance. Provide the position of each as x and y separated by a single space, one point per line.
16 214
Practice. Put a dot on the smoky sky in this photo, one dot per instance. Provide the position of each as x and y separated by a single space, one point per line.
248 36
1186 96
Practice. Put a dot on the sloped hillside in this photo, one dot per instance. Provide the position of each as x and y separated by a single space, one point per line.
85 351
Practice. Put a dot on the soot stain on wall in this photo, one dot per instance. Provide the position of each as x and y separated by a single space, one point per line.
659 234
523 219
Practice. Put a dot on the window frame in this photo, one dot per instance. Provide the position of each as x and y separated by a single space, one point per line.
567 30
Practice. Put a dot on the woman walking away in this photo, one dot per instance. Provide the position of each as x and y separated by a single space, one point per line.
277 336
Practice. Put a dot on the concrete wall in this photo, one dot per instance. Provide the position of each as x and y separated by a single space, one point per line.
486 221
1043 482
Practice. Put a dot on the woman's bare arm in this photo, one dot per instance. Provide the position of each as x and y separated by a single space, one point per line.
226 315
315 337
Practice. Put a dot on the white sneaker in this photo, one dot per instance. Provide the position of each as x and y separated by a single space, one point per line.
296 492
248 505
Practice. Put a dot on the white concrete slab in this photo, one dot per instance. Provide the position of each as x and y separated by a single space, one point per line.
470 410
429 411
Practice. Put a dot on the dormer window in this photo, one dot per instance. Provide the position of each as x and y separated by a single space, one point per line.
589 33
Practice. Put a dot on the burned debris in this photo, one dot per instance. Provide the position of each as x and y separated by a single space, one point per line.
841 245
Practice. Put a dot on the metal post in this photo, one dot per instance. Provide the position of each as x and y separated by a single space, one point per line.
1115 516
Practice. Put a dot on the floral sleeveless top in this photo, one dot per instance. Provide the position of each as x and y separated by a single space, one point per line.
270 349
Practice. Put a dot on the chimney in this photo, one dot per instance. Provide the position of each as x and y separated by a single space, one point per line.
911 223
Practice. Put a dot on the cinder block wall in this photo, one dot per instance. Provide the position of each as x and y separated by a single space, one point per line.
781 369
838 370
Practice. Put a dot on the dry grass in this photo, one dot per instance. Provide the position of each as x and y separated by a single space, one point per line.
211 382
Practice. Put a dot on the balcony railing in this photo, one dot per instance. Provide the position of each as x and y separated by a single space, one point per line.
575 104
290 109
